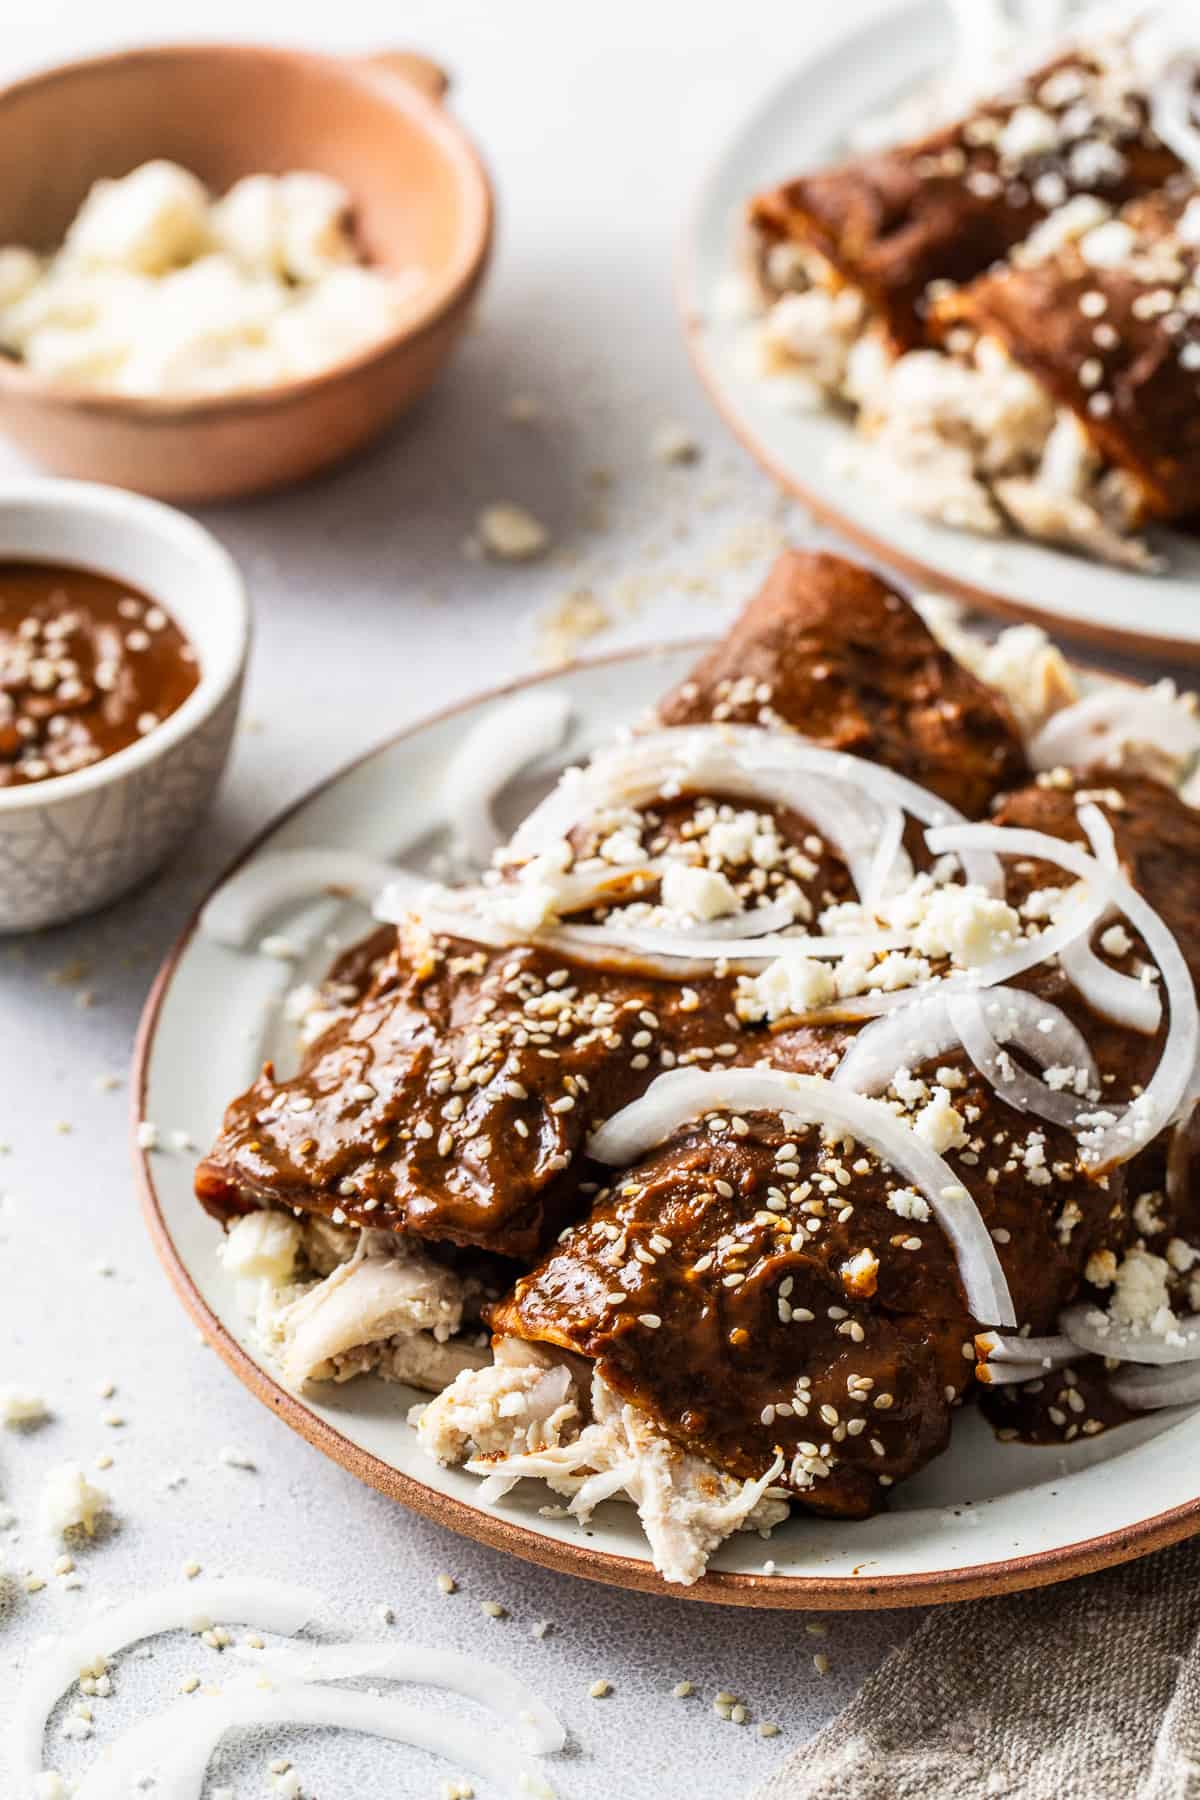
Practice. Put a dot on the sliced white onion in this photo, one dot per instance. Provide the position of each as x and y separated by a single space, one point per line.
1103 1335
847 800
1146 1390
1076 920
890 867
970 1016
929 1027
1155 1108
1179 1160
177 1744
464 913
192 1606
1046 1352
773 749
682 1095
507 740
270 884
1105 721
901 1039
471 1676
737 954
1008 1374
595 884
1120 998
754 922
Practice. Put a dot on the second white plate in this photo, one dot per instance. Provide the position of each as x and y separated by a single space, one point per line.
801 125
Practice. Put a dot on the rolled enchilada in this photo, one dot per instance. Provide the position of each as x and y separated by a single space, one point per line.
893 225
772 1283
1108 326
451 1102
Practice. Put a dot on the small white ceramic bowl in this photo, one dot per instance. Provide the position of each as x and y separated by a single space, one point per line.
73 843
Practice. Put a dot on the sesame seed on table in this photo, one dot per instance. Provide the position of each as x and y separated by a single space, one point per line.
368 617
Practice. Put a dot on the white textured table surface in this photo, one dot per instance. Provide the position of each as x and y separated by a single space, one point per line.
597 124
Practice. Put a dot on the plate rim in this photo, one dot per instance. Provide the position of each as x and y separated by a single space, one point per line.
692 306
797 1593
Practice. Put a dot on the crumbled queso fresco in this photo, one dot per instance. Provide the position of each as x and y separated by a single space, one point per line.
158 288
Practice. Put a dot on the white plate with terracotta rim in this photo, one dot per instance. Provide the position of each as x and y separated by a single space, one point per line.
801 125
984 1518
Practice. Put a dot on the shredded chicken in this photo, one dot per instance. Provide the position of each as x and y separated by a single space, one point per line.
965 439
806 340
525 1417
972 441
1021 663
378 1302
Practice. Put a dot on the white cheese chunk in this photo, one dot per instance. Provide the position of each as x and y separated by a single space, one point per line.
1109 245
148 221
20 1406
19 270
966 924
940 1123
906 1203
315 238
698 893
1140 1294
511 533
262 1244
789 985
70 1502
1028 132
155 291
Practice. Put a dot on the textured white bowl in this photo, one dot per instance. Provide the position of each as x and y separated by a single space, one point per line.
73 843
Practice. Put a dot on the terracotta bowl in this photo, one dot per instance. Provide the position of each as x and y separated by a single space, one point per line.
376 123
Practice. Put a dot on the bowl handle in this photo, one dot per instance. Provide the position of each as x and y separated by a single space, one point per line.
421 72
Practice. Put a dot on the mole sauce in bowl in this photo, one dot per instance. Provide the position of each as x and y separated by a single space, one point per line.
88 665
124 631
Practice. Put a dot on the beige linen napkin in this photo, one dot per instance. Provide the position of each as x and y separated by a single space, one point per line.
1087 1691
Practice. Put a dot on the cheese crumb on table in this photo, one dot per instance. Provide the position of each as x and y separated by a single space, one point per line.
70 1502
511 533
569 623
20 1406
